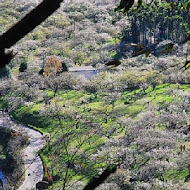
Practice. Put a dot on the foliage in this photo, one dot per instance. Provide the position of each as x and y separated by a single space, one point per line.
24 65
5 72
64 67
125 6
53 67
147 31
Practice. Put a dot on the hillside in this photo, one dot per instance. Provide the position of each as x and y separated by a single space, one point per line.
155 115
134 116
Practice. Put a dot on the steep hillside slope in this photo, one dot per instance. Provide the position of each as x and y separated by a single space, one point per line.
135 115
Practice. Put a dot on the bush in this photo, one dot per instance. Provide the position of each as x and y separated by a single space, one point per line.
5 72
23 67
64 67
41 72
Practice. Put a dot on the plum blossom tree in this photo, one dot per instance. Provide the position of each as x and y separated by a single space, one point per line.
145 152
72 159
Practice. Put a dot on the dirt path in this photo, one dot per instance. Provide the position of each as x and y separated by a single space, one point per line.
32 162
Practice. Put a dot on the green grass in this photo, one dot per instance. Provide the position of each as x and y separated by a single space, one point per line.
176 175
185 87
112 54
72 95
134 110
95 105
36 107
113 41
30 115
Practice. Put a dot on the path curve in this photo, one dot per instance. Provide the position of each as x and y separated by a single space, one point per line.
32 162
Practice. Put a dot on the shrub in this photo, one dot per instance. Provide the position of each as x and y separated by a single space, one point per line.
64 67
23 67
41 72
5 72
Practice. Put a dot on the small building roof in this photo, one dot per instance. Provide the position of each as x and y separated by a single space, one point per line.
83 68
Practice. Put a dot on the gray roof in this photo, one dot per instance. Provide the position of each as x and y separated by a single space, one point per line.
84 68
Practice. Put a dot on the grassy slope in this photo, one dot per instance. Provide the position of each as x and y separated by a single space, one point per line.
131 103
